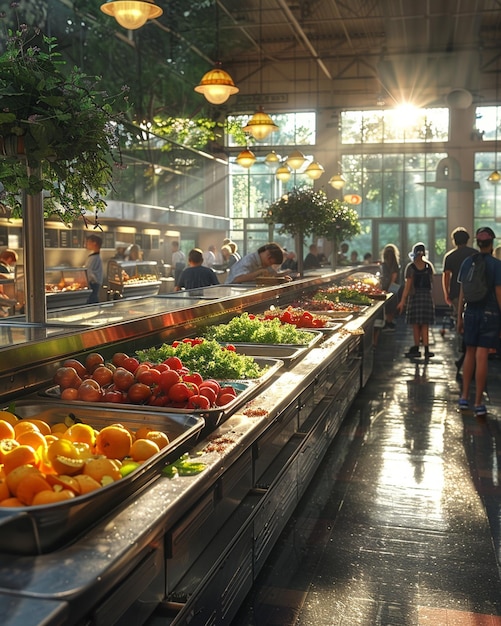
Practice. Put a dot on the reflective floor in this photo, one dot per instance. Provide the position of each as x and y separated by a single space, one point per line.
401 525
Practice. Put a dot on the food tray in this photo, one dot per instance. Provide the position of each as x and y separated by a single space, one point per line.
245 389
285 352
41 529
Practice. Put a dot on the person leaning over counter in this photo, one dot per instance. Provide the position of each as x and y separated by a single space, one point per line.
257 264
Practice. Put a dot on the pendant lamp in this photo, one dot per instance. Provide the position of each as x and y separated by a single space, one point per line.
295 159
246 158
495 176
131 14
272 159
337 181
216 85
314 170
283 173
260 125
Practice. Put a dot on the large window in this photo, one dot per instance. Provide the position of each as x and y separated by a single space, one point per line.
487 199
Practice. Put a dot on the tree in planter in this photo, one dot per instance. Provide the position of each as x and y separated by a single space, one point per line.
306 211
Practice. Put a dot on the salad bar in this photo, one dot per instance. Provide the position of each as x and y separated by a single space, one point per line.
148 467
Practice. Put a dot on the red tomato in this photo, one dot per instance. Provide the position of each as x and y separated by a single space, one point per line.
161 367
209 393
195 377
199 402
122 378
230 347
138 393
210 382
158 400
228 389
149 377
188 340
174 362
181 392
118 358
224 398
131 364
197 341
103 375
167 379
113 395
286 317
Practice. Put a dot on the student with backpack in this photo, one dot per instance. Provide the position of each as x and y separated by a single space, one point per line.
417 294
479 316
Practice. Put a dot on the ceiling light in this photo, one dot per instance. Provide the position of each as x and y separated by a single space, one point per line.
494 177
131 14
260 125
283 173
337 181
314 170
353 198
246 158
216 85
295 160
272 159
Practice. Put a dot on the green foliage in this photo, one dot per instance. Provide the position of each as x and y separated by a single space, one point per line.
246 329
58 132
306 211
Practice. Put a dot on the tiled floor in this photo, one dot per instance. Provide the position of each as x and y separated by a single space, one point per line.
401 525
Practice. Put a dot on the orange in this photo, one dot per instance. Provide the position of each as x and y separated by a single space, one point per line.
143 449
23 427
160 438
47 496
82 433
102 470
22 455
64 482
29 486
15 477
6 430
64 457
4 489
42 426
34 439
59 427
11 503
6 445
7 416
86 483
114 442
142 432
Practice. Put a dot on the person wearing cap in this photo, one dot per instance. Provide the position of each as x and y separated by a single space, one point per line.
417 300
479 322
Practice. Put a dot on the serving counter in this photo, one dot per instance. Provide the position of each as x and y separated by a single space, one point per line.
187 550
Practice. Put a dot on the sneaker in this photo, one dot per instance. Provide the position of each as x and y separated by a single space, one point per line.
480 410
413 352
389 327
428 354
463 404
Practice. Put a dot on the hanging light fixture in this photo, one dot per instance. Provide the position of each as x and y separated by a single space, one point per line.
352 198
260 125
295 159
216 84
246 158
272 159
131 14
314 170
495 176
283 173
337 181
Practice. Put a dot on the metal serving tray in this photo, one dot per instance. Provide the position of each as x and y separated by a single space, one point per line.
35 530
288 353
245 389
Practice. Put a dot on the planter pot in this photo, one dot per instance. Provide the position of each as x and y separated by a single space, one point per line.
12 145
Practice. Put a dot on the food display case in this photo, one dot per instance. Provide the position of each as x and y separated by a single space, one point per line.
192 545
132 279
64 286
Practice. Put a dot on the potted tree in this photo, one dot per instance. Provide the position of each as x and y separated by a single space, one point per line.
305 211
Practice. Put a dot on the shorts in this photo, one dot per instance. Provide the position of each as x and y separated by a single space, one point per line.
481 328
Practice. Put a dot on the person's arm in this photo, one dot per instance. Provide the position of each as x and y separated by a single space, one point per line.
405 294
459 321
446 285
250 276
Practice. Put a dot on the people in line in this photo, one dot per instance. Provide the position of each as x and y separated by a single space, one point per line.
94 265
479 322
390 282
229 257
354 257
311 260
196 275
367 258
417 300
450 286
342 257
262 263
120 250
209 257
178 261
290 262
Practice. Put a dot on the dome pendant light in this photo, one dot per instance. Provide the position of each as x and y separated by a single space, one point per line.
295 160
283 173
314 170
131 14
272 159
260 125
246 158
216 85
337 181
494 177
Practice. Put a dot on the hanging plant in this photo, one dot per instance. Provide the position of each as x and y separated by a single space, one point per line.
58 132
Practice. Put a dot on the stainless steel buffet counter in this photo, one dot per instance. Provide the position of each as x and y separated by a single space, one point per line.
187 550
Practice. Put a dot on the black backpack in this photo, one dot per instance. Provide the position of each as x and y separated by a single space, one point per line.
475 285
